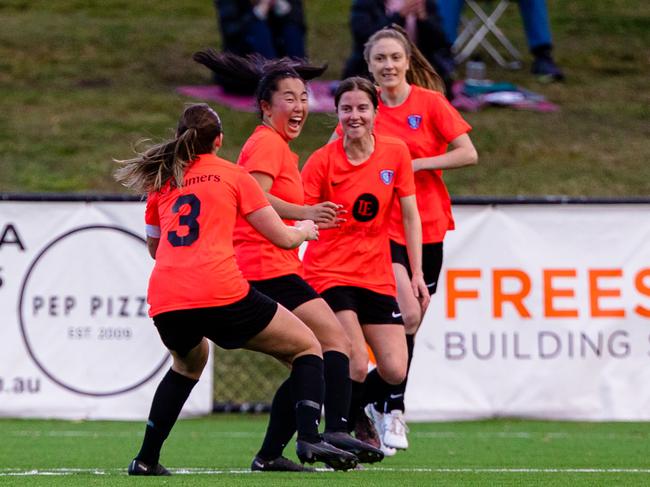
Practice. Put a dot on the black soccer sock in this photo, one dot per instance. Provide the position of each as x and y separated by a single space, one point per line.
376 388
308 389
356 403
338 390
167 403
395 397
282 423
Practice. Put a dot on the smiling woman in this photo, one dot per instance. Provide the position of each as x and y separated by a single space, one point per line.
412 107
350 266
282 102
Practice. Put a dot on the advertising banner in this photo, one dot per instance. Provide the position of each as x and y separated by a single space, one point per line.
76 340
541 311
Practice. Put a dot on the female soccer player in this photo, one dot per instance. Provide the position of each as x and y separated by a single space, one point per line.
196 290
350 266
282 102
412 107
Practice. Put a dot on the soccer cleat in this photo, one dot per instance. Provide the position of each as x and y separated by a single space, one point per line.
280 464
394 430
365 431
377 419
137 467
364 452
322 451
388 451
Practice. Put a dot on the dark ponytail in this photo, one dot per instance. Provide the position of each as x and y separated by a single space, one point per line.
255 73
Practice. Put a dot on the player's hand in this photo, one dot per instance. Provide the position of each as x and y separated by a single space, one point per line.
308 228
420 290
324 212
338 219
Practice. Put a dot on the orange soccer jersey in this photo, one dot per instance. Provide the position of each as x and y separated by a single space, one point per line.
357 254
195 260
427 122
267 152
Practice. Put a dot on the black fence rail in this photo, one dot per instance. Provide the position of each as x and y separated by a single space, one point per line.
458 200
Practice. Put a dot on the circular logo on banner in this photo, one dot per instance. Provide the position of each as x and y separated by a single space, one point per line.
83 312
365 207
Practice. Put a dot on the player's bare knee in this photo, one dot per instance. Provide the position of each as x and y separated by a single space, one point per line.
359 366
412 316
309 344
192 369
393 373
338 342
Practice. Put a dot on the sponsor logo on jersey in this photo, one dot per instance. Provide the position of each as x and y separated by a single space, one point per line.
414 121
386 176
365 208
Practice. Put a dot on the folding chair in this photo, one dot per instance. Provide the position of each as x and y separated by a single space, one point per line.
477 28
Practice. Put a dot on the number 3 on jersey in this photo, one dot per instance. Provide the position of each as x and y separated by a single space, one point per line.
189 220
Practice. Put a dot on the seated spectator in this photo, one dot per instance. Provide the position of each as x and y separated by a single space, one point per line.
420 20
536 25
271 28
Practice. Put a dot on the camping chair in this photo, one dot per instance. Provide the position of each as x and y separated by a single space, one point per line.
478 27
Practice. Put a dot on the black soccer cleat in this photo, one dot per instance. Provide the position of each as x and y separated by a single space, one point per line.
280 464
322 451
363 451
137 467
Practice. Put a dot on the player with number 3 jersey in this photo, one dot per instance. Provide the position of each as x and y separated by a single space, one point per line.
197 292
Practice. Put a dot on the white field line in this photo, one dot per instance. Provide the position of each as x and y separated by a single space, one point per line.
14 472
419 434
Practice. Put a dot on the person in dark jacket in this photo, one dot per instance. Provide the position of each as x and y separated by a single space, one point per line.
419 18
271 28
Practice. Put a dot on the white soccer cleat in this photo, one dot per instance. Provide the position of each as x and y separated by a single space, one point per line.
377 419
394 430
387 450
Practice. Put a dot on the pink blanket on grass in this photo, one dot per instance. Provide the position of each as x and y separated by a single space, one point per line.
320 97
520 100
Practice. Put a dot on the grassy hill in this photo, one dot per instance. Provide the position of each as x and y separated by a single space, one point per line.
82 80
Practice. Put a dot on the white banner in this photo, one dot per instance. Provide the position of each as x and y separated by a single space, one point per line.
541 311
76 340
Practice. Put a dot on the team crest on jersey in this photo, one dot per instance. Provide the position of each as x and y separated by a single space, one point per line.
414 121
386 176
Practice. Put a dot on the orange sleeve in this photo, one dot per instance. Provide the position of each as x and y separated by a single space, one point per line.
250 196
313 178
447 120
265 156
151 217
404 179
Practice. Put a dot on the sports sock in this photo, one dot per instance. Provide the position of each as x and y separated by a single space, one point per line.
338 390
282 423
376 388
356 403
395 398
167 403
308 389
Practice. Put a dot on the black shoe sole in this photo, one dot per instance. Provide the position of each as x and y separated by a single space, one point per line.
310 453
369 456
364 452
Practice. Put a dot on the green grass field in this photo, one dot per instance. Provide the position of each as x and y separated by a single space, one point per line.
82 81
217 450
